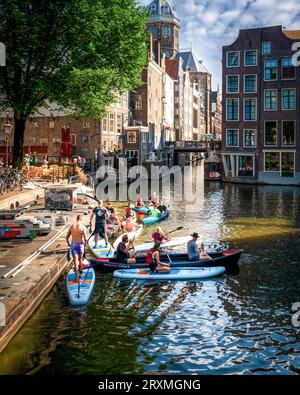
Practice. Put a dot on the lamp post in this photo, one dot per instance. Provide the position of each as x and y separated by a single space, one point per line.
7 130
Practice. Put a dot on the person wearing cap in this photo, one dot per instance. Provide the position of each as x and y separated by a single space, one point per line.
193 248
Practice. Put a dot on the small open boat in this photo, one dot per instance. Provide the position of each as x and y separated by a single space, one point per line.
152 219
228 259
141 210
79 292
184 274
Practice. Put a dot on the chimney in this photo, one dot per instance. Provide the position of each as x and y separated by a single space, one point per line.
150 55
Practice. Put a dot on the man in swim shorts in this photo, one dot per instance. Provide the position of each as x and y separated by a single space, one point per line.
77 232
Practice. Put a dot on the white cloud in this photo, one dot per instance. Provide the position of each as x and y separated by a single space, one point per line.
209 24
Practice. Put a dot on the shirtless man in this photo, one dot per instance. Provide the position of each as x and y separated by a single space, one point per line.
129 226
77 232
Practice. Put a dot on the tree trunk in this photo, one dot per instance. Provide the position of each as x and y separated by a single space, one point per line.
19 132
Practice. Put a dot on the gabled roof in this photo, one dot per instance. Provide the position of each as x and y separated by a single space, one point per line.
190 62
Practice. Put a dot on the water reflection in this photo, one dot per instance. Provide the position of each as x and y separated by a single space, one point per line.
235 324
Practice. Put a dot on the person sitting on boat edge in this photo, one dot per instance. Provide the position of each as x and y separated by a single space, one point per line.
77 232
129 225
196 252
123 254
101 215
162 207
193 248
159 235
153 258
140 203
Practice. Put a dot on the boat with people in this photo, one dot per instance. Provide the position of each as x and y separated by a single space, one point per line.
179 274
152 219
79 292
228 259
172 242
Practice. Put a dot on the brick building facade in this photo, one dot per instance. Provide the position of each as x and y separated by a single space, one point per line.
261 117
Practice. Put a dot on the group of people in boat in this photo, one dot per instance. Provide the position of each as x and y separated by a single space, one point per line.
105 215
127 254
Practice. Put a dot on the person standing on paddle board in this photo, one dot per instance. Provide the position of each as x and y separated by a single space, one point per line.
77 232
100 214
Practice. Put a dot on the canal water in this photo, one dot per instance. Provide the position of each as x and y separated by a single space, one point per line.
235 324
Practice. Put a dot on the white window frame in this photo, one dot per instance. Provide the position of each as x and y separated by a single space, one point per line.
104 130
238 117
280 151
270 152
289 109
295 132
250 50
270 60
132 151
250 75
277 96
131 142
233 75
244 112
238 138
249 146
239 59
269 145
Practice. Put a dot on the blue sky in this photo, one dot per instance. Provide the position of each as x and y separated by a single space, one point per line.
207 25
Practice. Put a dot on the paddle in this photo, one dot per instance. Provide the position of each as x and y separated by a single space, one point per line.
172 231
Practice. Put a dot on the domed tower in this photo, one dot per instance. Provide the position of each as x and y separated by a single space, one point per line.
164 26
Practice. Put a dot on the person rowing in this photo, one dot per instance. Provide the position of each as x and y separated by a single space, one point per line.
153 258
77 232
159 235
101 216
140 203
196 252
123 254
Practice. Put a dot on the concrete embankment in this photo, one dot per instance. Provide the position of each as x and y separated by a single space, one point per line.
23 287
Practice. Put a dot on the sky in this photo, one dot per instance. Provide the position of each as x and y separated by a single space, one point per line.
207 25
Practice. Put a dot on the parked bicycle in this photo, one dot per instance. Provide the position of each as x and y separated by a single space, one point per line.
11 179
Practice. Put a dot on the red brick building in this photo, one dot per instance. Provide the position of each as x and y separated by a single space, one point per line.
261 116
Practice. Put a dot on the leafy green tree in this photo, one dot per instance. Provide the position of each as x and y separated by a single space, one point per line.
76 53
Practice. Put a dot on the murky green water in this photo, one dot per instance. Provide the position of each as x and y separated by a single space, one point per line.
236 324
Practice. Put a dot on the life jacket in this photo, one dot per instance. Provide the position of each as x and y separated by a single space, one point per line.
149 256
